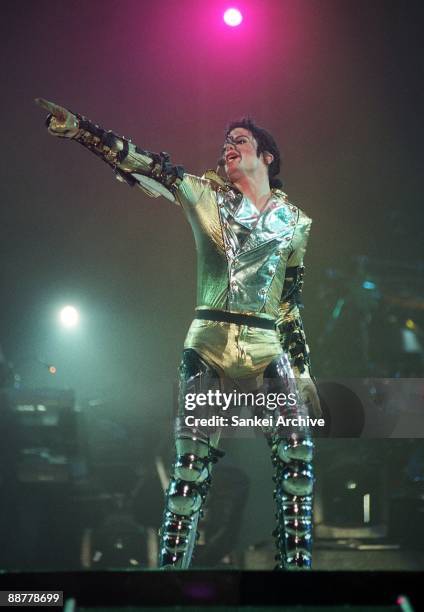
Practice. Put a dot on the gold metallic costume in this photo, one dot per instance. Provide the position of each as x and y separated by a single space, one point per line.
242 259
247 328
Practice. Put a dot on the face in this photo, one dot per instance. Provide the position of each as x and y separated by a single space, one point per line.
240 154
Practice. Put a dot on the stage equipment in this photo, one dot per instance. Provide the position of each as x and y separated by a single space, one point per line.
352 493
43 426
377 315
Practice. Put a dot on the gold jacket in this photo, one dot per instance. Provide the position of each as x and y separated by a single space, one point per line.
247 262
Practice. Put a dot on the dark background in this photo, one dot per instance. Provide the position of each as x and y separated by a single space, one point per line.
337 82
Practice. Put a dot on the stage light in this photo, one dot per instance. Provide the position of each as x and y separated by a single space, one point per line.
233 17
69 316
368 285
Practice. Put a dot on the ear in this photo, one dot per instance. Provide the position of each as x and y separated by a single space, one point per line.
268 158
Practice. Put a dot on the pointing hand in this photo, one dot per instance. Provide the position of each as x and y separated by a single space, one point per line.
60 121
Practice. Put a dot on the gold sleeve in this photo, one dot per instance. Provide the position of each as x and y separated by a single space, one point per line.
154 173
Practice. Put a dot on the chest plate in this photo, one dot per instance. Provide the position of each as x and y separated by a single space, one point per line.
257 246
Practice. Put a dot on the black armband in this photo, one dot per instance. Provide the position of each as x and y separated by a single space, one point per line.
107 145
163 171
294 343
293 284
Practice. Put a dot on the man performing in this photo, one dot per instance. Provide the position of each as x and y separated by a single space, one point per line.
247 329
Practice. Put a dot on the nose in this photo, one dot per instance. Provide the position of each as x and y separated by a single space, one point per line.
228 146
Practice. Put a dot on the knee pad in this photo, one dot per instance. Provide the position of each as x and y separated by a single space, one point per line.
279 368
184 498
191 468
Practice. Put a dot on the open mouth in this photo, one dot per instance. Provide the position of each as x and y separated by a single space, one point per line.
231 157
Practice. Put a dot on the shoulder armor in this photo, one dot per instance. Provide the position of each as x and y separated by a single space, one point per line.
218 181
280 194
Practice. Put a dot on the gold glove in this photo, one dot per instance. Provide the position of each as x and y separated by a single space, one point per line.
60 121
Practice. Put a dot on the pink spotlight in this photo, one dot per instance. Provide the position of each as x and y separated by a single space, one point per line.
233 17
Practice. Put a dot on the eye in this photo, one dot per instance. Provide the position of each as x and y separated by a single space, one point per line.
241 140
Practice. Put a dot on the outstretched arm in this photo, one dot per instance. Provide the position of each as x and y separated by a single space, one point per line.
152 172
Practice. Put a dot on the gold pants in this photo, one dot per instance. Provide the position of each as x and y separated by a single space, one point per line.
234 351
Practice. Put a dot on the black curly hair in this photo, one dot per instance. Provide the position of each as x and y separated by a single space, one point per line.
265 143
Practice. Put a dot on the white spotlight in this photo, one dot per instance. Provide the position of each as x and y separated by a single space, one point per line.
69 316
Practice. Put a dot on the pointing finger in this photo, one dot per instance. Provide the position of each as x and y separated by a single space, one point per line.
58 111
